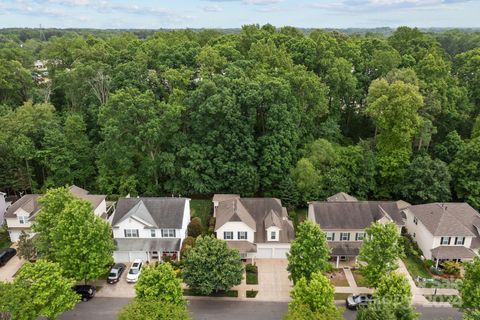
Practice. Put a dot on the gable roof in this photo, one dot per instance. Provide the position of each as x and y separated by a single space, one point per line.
28 203
158 212
342 196
77 190
351 215
258 214
446 219
218 197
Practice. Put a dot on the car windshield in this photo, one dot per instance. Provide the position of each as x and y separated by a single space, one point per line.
112 274
133 271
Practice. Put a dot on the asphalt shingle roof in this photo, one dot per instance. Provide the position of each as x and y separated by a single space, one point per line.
341 196
147 244
453 252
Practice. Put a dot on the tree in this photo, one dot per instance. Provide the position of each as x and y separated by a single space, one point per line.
187 244
448 148
152 309
377 310
71 234
380 250
469 290
26 248
211 266
194 228
316 296
309 252
160 282
426 180
394 291
465 170
46 291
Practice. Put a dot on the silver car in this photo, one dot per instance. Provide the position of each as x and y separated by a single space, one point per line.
358 300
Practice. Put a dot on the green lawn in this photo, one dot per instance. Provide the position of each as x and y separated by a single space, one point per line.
416 268
338 279
359 279
454 300
252 278
201 209
4 238
341 296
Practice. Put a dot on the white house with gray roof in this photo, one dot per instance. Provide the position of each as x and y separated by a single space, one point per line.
3 207
256 227
445 231
150 228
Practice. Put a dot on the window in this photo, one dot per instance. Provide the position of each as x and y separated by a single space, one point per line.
168 233
344 236
242 235
445 241
460 240
415 220
152 233
359 236
22 219
273 235
228 235
414 234
330 236
131 233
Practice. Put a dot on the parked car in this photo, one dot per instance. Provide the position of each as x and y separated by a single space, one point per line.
86 291
6 254
358 300
135 271
115 273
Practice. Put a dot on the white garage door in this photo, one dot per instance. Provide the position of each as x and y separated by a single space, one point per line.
280 253
138 255
121 256
264 253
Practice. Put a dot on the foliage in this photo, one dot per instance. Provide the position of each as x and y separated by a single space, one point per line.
187 243
152 309
160 282
394 287
469 290
309 252
380 250
211 266
194 228
251 293
26 249
48 293
69 233
377 310
315 296
451 267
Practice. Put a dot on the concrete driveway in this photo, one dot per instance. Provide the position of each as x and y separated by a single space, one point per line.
273 282
10 269
121 289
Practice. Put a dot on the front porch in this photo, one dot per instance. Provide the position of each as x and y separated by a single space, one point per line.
451 253
344 253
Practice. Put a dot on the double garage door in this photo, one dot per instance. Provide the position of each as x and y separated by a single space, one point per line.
272 253
129 256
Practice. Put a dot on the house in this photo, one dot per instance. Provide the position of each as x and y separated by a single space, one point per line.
341 196
21 213
3 207
345 222
149 228
217 198
256 227
444 231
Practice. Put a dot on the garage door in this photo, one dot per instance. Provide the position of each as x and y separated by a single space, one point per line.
264 253
142 255
280 253
121 256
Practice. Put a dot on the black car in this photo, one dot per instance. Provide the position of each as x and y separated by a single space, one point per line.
86 291
116 272
358 300
6 255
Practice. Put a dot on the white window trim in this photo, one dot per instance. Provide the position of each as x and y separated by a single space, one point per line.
330 236
131 233
153 233
229 233
445 244
462 242
415 220
358 234
244 235
168 233
22 219
344 233
273 235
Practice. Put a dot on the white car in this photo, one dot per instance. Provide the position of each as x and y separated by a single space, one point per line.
135 271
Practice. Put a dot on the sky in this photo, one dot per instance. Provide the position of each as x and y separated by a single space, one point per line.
151 14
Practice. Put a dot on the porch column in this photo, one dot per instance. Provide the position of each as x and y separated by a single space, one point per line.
436 265
338 261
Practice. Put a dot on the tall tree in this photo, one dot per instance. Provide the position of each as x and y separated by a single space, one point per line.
469 290
152 309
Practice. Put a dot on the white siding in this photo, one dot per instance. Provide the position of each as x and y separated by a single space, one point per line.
101 209
437 242
235 227
269 233
3 207
423 237
186 220
143 231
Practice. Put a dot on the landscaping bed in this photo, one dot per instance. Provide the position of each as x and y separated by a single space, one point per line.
359 279
337 278
251 293
251 274
228 293
454 300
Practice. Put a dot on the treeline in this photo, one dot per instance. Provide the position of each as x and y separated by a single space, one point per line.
264 111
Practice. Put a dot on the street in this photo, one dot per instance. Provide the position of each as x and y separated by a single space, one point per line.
107 309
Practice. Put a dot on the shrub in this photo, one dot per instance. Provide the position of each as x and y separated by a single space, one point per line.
186 245
428 263
195 228
436 271
451 267
251 268
251 293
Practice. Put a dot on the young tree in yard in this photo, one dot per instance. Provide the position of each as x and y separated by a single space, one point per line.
194 228
39 290
309 252
315 297
470 290
77 239
394 291
160 282
377 310
211 266
380 250
26 248
152 309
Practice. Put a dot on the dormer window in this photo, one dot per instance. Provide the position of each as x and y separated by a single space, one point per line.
273 235
22 219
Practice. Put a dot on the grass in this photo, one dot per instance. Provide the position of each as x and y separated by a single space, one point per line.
202 209
4 238
252 278
341 296
454 300
298 215
251 293
359 279
338 279
229 293
416 268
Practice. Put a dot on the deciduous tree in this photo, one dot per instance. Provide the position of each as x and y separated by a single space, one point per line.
159 282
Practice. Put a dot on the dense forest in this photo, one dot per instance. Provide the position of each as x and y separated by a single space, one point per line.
261 111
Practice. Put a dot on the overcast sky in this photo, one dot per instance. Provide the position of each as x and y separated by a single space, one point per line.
234 13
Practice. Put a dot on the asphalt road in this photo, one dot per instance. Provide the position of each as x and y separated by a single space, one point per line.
107 309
